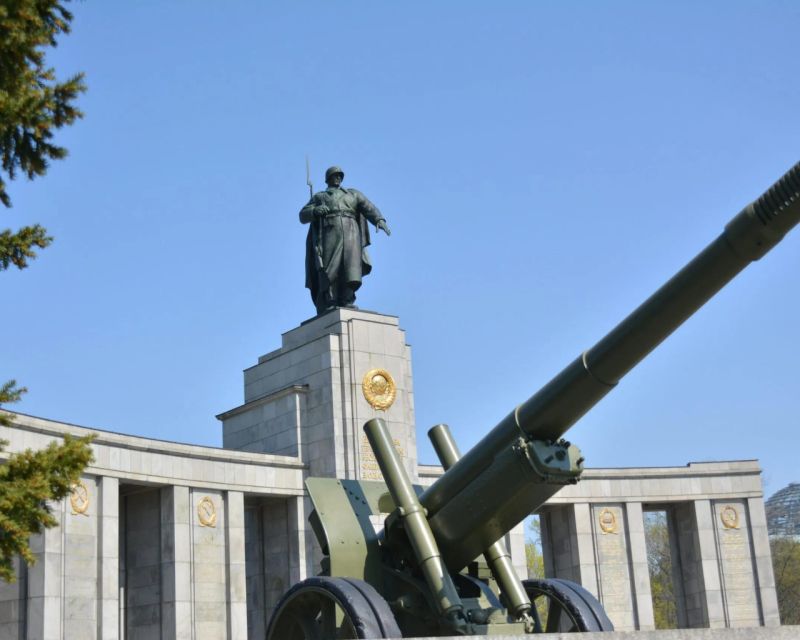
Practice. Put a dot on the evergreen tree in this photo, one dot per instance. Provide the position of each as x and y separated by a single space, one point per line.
32 105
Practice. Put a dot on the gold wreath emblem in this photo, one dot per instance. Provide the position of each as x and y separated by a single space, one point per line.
207 512
608 521
379 389
79 498
730 517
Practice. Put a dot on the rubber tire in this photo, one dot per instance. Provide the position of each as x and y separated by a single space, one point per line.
586 611
380 608
599 612
367 611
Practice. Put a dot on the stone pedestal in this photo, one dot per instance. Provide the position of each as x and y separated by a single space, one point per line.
306 399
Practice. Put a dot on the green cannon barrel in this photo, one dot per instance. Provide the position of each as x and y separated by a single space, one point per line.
518 465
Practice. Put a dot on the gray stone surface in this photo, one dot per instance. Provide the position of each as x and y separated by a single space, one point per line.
45 612
640 574
737 578
235 566
774 633
108 558
176 563
13 604
306 397
209 589
762 557
615 588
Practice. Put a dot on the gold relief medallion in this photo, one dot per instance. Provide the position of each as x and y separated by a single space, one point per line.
608 521
379 389
207 512
79 498
729 516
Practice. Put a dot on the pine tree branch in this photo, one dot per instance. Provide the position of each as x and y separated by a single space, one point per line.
33 104
17 248
9 392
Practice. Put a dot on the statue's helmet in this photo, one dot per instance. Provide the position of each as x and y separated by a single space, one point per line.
332 171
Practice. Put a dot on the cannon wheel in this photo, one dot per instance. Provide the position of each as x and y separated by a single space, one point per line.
561 605
324 608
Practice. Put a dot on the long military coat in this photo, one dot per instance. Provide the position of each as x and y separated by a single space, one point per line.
336 245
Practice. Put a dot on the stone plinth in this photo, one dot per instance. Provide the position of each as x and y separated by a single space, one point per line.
305 399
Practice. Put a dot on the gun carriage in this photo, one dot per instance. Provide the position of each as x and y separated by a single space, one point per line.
402 561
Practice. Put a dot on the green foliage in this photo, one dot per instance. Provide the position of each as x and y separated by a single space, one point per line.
28 480
786 565
533 549
33 104
9 392
17 248
659 564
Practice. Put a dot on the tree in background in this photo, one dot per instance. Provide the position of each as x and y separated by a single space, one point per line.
659 564
533 549
32 105
786 565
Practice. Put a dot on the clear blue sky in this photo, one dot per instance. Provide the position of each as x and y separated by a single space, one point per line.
544 166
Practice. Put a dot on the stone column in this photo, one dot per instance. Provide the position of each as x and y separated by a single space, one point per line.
643 597
568 545
235 566
13 603
559 550
615 588
739 581
80 528
709 562
303 549
691 569
765 579
45 604
177 619
108 552
586 560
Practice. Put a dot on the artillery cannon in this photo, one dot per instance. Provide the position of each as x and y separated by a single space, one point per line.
400 561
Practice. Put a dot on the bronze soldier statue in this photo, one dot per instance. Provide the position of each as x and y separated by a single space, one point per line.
336 246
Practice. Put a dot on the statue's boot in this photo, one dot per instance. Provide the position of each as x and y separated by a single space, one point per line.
326 301
347 297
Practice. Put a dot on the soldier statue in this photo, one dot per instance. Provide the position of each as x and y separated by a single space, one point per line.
336 246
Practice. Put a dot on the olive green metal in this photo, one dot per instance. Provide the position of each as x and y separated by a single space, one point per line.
497 556
343 520
496 474
414 521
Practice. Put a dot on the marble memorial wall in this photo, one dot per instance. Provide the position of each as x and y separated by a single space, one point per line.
721 570
613 564
741 599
